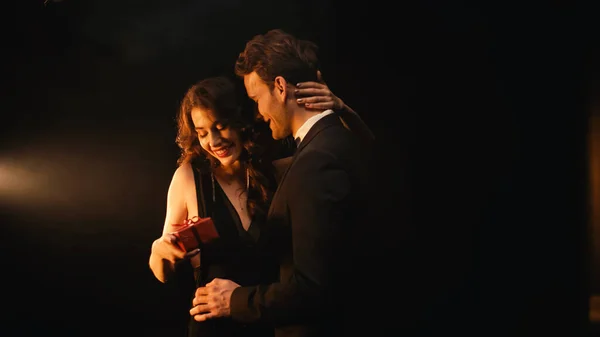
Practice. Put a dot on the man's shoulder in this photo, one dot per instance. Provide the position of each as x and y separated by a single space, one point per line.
334 137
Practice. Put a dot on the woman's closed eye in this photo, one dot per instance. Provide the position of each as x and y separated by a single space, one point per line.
216 127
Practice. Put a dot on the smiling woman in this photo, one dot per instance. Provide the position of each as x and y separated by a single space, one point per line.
225 172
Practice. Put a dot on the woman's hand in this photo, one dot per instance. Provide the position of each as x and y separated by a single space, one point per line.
166 248
316 95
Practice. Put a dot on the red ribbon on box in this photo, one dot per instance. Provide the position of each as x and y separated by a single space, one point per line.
194 232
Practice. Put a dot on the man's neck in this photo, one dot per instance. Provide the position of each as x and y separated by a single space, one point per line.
300 116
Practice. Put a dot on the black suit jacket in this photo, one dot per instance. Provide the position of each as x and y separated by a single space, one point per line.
313 226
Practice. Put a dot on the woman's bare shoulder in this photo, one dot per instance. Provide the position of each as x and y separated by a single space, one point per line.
182 177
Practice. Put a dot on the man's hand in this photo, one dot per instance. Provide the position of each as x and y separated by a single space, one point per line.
213 300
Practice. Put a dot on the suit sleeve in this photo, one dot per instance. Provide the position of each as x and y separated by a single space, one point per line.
317 204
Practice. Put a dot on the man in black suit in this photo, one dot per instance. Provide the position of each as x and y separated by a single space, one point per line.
317 213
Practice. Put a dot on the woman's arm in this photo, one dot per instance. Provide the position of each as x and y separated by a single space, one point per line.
353 122
317 95
165 253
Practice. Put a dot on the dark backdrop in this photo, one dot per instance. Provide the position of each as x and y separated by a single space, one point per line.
480 113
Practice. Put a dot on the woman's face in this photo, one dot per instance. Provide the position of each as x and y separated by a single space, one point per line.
216 137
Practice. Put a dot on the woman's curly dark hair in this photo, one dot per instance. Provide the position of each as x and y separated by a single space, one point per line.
219 95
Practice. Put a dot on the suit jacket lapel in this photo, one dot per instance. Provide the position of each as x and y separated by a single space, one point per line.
319 126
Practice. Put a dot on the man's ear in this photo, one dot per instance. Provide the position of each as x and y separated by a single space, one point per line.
280 88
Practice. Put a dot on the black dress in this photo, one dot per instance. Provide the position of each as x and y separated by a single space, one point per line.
236 255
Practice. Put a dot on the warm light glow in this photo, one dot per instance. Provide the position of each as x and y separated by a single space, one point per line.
48 180
595 309
16 182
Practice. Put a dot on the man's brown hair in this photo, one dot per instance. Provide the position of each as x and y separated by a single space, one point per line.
277 53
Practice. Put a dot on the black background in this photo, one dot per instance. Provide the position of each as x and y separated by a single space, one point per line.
480 112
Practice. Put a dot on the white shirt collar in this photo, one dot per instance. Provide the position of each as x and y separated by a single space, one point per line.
308 124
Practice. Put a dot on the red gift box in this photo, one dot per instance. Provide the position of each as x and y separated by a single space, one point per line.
195 231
